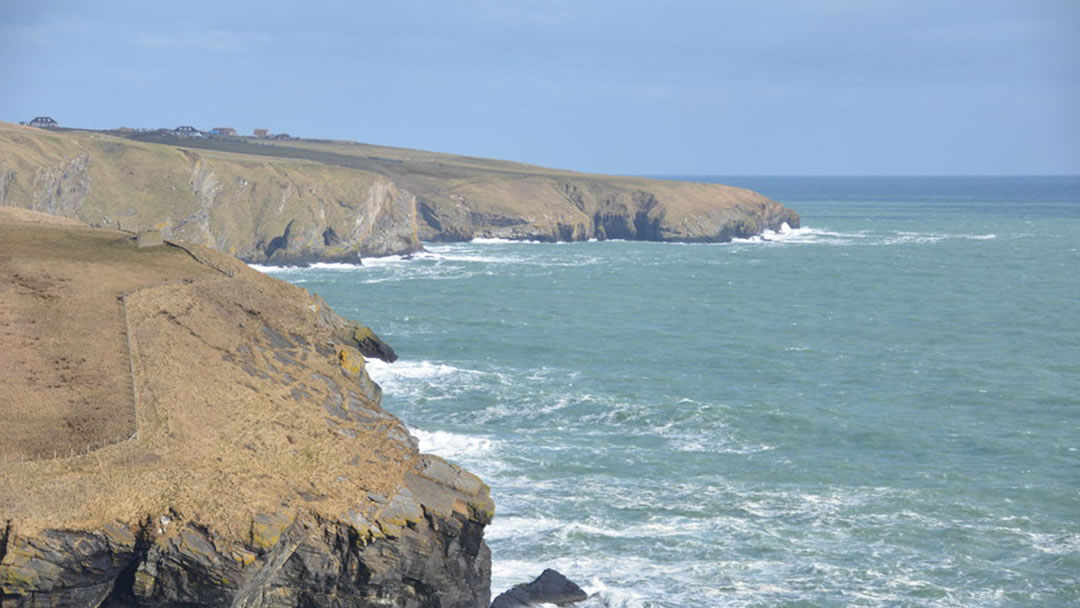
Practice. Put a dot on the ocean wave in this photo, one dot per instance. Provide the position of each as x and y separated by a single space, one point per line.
381 372
710 445
337 266
924 238
1055 544
514 527
389 260
807 235
481 240
470 257
804 235
454 446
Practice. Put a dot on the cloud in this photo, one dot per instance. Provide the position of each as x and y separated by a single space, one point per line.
208 40
529 12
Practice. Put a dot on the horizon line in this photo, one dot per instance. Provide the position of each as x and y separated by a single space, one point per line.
851 175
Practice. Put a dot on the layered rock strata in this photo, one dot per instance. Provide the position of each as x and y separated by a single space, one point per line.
254 465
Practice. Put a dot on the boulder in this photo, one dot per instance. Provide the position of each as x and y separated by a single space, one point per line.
551 587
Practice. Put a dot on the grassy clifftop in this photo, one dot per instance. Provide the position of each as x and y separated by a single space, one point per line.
181 430
282 201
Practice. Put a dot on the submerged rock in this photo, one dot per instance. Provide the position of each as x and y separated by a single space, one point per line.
551 587
187 432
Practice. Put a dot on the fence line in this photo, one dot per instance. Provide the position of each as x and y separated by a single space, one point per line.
131 367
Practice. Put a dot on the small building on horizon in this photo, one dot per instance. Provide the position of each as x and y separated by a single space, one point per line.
44 122
223 131
262 133
187 131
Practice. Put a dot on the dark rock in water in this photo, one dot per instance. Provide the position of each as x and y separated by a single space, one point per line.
550 587
371 345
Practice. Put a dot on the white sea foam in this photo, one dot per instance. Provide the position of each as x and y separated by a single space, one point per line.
807 235
316 266
1055 544
405 378
454 446
380 371
924 238
710 445
498 241
511 527
471 257
390 260
803 235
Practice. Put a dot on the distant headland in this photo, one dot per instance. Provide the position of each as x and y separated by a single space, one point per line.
277 199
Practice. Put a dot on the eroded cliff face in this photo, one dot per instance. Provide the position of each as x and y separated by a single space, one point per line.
241 458
296 202
577 208
427 549
261 210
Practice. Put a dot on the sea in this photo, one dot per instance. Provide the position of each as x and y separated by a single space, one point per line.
880 407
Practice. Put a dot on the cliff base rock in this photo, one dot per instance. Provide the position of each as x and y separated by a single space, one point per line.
551 587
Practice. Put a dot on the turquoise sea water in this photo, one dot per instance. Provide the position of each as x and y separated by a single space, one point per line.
881 408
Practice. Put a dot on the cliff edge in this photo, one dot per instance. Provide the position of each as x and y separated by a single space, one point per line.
296 201
180 430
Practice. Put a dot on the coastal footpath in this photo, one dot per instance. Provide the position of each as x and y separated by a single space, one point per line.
181 430
299 201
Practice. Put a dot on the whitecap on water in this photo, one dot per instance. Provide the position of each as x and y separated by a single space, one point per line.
339 266
926 238
804 235
497 241
390 260
454 446
511 527
807 235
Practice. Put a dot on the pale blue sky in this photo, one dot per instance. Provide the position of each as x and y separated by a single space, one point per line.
836 87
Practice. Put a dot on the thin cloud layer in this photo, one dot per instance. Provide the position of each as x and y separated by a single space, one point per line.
625 87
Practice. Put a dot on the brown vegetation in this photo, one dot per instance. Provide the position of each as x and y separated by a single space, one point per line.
241 402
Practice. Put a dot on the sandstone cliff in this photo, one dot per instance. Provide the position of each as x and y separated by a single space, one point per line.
181 431
297 201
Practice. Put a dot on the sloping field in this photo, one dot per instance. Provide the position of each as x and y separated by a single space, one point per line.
64 360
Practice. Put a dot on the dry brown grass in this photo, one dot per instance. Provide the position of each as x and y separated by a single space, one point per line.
64 361
235 381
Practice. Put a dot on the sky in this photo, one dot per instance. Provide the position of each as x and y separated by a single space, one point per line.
723 87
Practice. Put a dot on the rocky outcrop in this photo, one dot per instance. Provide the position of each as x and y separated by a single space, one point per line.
551 587
257 467
425 549
62 189
578 207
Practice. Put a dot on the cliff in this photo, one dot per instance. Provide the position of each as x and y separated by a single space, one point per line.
179 430
298 201
260 209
